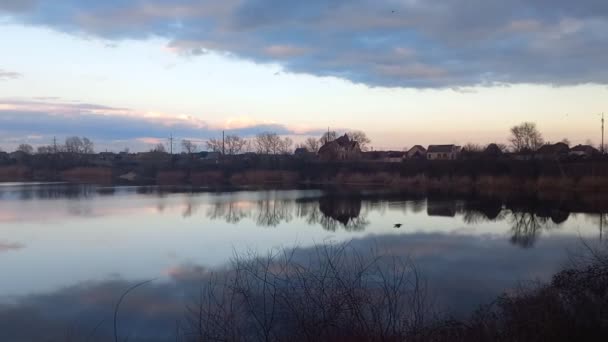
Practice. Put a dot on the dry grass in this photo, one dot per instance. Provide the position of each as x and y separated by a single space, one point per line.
14 173
207 178
170 177
95 175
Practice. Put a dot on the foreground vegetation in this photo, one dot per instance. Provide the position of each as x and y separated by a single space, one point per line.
338 294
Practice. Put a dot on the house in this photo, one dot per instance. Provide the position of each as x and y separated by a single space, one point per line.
583 151
552 151
300 151
395 157
4 157
492 151
19 156
416 152
209 156
443 152
342 148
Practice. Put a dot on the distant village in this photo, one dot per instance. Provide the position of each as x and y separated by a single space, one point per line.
330 149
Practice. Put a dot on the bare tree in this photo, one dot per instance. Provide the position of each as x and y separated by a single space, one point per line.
188 146
267 143
25 148
272 143
73 144
472 147
235 144
361 138
525 137
312 145
87 146
327 137
79 145
159 148
566 141
215 145
285 146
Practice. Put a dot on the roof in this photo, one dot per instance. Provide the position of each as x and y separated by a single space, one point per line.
554 149
493 149
417 147
441 148
584 148
300 150
343 141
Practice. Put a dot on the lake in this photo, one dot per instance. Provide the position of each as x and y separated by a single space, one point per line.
67 252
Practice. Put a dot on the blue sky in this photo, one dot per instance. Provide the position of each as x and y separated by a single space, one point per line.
129 73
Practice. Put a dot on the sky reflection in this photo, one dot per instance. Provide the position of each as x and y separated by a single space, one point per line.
79 246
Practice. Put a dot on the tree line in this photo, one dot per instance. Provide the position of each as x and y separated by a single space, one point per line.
72 144
523 138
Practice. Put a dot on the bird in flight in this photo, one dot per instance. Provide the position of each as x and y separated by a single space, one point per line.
397 225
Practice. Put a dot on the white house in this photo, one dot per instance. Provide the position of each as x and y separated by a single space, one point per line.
443 152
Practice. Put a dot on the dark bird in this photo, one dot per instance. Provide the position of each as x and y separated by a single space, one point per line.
397 225
393 11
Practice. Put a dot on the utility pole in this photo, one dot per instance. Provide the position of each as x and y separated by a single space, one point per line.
223 144
171 143
54 144
603 134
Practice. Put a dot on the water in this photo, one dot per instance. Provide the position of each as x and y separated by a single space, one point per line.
67 252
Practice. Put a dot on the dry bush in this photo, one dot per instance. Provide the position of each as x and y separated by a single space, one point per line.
335 294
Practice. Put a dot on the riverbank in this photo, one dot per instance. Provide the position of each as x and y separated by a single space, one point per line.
446 178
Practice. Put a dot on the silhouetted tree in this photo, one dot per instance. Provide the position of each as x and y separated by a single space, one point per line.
361 138
235 144
327 137
188 146
159 148
215 145
25 148
78 145
525 137
312 145
271 143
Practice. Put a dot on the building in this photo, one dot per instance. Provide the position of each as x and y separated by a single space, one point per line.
416 152
209 156
395 156
443 152
583 151
492 151
342 148
552 151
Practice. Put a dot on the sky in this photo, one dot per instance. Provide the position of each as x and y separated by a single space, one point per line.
130 73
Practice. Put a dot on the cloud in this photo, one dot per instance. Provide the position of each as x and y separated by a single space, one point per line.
439 44
9 75
106 125
10 246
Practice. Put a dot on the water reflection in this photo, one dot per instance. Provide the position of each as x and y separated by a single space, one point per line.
455 275
527 218
62 242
